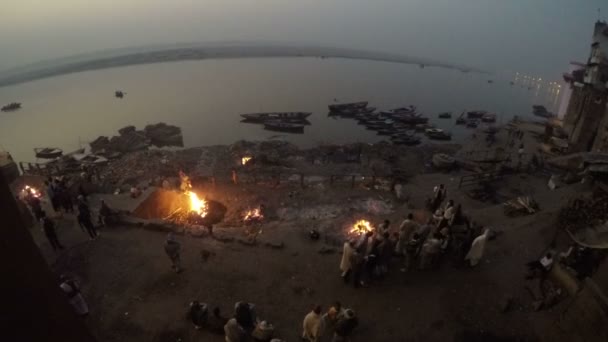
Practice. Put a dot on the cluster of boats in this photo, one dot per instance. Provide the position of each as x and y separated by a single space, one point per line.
472 119
286 122
401 124
11 107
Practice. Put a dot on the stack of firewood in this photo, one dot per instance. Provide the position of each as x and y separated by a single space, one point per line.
584 212
522 205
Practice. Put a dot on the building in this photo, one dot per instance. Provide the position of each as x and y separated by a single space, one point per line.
586 117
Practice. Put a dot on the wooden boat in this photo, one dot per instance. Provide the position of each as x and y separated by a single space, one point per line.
400 110
437 134
445 115
11 107
412 119
472 124
274 116
347 106
355 112
541 111
119 94
280 126
423 127
48 152
409 140
443 161
489 118
476 114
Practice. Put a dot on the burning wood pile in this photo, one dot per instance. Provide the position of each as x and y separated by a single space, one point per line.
30 191
584 213
254 215
522 205
194 210
361 227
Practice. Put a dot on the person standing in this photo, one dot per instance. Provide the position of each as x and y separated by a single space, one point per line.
84 218
172 248
50 191
448 214
439 194
310 325
346 262
430 251
408 226
48 227
72 290
345 326
477 248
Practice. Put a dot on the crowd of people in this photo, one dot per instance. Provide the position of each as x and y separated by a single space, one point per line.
337 324
419 245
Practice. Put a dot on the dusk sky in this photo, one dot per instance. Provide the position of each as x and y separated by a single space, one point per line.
537 37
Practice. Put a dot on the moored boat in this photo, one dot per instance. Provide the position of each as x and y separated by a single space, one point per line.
401 110
119 94
48 152
472 124
273 116
347 106
408 140
353 112
11 107
280 126
476 114
489 118
437 134
445 115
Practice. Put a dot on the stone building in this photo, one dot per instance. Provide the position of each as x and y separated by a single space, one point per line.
586 118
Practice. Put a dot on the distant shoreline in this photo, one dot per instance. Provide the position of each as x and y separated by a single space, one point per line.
220 51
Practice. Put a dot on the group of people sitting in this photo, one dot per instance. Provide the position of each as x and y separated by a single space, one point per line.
336 325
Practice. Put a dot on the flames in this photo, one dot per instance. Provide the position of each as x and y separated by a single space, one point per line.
361 227
245 160
29 190
254 215
198 205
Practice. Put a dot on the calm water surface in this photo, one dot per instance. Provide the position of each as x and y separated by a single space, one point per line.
204 98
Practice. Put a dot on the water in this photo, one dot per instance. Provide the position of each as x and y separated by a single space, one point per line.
206 97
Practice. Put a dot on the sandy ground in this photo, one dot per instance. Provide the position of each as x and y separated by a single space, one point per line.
135 296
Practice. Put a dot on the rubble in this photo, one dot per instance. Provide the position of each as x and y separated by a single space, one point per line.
522 205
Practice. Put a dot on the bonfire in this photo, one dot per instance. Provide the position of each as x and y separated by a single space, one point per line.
253 215
361 227
245 160
30 191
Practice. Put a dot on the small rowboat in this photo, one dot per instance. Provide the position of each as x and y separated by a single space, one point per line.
48 152
283 127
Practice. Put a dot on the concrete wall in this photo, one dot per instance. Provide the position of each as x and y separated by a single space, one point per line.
601 141
583 119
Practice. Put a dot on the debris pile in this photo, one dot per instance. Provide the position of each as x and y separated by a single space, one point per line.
584 213
522 205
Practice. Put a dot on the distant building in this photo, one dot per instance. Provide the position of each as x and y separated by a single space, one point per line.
586 116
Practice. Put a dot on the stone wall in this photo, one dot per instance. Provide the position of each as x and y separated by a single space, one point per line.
586 113
601 141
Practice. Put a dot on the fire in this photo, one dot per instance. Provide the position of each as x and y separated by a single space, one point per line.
29 190
361 227
245 160
255 214
198 205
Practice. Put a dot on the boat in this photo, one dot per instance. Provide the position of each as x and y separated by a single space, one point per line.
443 161
273 116
437 134
408 140
461 121
423 127
353 112
472 124
11 107
476 114
119 94
489 118
280 126
401 110
411 119
445 115
387 131
541 111
48 152
347 106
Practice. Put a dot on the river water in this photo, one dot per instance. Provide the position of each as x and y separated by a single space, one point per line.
206 97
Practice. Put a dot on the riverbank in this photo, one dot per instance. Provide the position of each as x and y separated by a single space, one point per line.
134 295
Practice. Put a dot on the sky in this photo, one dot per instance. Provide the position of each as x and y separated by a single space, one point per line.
537 37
